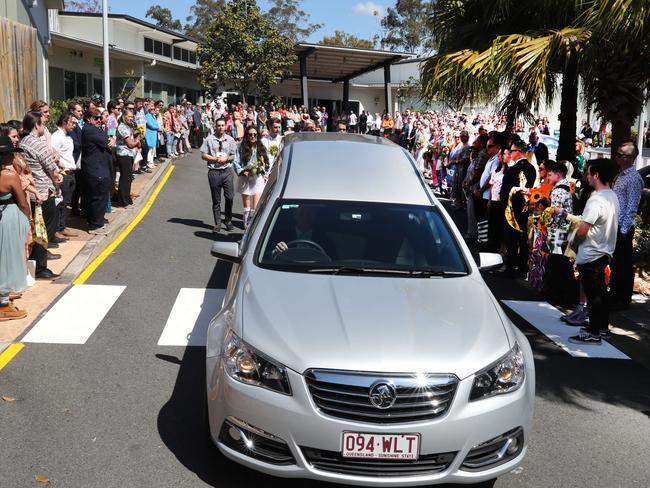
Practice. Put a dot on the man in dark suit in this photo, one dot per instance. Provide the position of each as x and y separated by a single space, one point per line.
539 148
302 228
516 241
198 125
363 122
96 167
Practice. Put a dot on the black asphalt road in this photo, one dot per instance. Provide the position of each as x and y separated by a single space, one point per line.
119 411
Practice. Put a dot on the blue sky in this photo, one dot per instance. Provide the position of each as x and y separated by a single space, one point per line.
352 16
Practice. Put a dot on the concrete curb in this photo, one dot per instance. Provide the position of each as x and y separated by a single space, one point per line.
97 244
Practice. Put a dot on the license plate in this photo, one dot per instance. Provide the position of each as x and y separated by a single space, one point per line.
381 446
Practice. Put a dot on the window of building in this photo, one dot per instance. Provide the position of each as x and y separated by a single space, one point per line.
98 86
153 90
184 55
165 49
75 84
157 47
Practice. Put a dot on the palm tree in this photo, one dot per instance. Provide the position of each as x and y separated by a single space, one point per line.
607 42
617 76
523 56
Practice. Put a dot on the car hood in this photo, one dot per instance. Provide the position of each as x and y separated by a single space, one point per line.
383 324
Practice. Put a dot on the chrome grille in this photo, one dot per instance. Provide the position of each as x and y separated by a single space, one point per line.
333 462
345 394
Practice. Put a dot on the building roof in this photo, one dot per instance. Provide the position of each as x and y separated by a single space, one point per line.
134 20
337 63
71 42
351 167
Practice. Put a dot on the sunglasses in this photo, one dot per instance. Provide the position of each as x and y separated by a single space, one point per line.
252 134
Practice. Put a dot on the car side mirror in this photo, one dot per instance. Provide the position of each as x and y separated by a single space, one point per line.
489 260
228 251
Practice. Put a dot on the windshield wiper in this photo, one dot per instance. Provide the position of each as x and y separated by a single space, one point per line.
416 273
357 270
431 272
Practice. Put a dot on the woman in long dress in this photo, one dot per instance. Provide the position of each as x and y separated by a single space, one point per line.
251 164
15 217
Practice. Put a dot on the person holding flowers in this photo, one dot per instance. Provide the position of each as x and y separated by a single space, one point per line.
251 164
126 145
273 140
539 218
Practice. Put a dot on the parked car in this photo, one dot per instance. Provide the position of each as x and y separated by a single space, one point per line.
358 342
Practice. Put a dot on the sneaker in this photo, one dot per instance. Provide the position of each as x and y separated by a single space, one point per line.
578 310
604 334
229 226
579 320
585 337
99 231
9 312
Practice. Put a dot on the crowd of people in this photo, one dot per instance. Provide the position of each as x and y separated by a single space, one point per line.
85 167
552 220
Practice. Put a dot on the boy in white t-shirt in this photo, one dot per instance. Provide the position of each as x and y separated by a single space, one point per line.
594 243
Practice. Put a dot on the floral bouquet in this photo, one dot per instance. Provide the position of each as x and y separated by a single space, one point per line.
256 167
274 149
139 132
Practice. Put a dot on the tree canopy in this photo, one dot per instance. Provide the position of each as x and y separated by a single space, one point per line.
90 6
405 27
242 49
489 46
201 15
340 38
290 20
163 17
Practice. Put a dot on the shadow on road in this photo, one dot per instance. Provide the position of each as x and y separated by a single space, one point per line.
190 222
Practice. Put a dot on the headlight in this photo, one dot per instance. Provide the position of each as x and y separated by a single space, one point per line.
244 363
505 375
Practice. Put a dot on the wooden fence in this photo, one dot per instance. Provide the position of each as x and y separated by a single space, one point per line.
18 69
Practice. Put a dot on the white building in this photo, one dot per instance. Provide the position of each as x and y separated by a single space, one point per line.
24 44
145 60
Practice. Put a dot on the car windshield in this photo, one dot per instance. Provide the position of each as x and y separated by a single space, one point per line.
342 237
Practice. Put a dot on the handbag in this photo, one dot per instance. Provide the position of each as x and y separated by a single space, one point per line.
39 234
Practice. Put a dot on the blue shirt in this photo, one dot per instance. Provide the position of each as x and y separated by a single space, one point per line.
628 187
490 166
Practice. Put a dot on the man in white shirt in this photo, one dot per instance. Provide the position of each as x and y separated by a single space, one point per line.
595 242
352 122
272 141
494 145
62 142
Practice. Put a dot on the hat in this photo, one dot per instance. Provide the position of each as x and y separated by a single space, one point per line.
7 146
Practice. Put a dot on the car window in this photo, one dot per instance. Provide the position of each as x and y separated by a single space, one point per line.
306 235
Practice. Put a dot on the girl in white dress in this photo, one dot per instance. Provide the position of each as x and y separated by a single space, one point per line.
251 164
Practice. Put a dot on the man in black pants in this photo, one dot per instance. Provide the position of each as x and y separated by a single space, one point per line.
96 166
46 175
628 188
594 242
219 152
197 124
516 240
